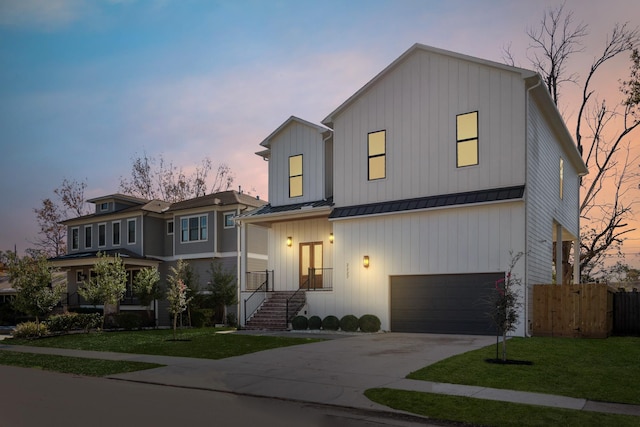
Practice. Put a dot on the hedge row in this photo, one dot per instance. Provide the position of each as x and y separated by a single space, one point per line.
348 323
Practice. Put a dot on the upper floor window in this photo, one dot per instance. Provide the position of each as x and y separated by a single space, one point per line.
131 231
467 139
170 227
75 238
561 178
104 206
228 220
377 154
87 236
295 176
102 235
115 233
193 229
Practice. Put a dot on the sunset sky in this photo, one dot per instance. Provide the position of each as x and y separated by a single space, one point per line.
85 86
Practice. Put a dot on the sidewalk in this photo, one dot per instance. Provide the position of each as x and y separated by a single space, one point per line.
332 372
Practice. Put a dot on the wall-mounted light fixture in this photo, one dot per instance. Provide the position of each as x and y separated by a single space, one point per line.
330 237
289 241
365 261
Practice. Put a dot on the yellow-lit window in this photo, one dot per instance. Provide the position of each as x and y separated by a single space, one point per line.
467 139
376 142
561 177
295 176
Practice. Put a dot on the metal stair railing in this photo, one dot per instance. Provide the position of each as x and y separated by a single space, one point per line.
254 299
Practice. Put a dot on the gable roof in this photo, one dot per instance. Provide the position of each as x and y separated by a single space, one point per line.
293 119
328 121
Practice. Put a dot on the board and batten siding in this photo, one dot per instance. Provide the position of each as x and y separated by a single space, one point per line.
544 206
459 240
297 138
284 260
417 103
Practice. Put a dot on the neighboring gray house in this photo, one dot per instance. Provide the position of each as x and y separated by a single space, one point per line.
409 199
157 234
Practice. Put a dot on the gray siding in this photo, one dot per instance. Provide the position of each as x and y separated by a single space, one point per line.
257 239
154 236
227 237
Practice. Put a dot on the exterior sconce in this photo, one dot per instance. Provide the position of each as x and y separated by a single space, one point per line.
331 238
365 261
289 241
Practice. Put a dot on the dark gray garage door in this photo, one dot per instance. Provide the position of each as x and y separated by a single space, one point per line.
443 304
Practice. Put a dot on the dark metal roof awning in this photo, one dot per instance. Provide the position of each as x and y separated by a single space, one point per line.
88 258
431 202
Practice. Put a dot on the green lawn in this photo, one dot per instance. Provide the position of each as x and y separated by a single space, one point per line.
202 343
596 369
493 413
603 370
72 365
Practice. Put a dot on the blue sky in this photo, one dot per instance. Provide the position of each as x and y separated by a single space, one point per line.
87 85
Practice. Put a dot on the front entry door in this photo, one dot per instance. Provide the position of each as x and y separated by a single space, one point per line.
311 265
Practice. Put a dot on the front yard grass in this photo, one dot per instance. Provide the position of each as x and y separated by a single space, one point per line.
202 343
596 369
72 365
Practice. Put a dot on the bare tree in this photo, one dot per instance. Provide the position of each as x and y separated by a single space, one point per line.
161 179
602 129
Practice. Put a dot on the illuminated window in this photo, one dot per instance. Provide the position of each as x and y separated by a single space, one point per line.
295 176
376 146
467 139
561 177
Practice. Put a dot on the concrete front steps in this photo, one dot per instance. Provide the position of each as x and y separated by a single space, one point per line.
273 312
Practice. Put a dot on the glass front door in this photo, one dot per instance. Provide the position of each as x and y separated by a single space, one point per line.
311 265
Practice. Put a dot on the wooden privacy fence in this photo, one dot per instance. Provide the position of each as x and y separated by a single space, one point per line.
584 310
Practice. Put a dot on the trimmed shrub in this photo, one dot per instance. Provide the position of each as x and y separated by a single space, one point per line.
315 322
231 320
331 323
349 323
369 323
73 321
30 330
299 323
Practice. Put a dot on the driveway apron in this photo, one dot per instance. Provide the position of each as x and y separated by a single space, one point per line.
335 371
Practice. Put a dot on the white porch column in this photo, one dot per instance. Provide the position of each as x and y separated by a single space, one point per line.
242 268
559 273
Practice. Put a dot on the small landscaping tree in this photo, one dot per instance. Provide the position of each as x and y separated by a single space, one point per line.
505 304
109 283
222 287
33 279
178 292
145 286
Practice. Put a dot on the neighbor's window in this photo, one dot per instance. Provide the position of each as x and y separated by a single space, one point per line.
228 220
377 154
295 176
193 229
561 178
102 235
104 206
467 139
75 238
131 231
115 233
170 227
87 236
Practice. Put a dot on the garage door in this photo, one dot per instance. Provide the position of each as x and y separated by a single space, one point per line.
443 304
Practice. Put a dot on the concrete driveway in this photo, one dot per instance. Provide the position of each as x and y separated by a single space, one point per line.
336 371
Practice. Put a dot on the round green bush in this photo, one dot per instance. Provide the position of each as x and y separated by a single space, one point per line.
299 323
369 323
315 322
30 330
331 323
349 323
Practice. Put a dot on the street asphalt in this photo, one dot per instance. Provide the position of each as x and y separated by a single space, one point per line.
336 371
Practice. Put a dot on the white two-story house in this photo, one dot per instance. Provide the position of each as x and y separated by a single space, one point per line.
411 198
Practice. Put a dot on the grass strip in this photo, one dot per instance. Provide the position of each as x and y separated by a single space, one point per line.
202 343
492 413
72 365
596 369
